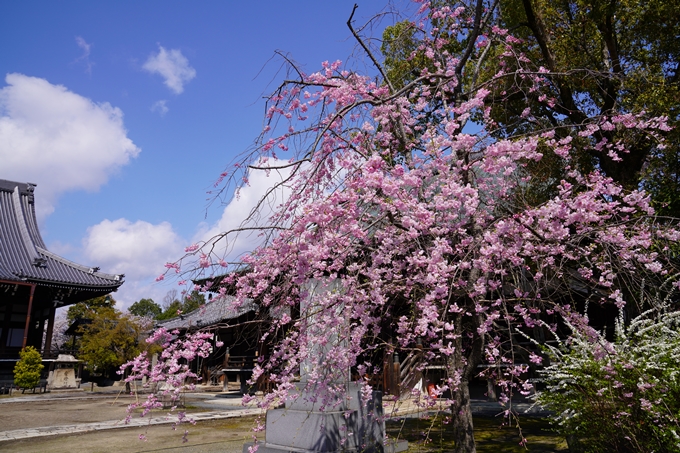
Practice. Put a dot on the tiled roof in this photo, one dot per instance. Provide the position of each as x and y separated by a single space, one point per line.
23 255
218 310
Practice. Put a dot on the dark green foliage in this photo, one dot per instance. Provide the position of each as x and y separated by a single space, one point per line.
171 310
86 309
606 58
609 58
191 302
146 308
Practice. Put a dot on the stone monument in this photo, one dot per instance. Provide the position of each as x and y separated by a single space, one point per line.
319 420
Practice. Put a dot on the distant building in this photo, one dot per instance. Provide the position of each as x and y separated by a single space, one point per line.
238 328
34 282
213 315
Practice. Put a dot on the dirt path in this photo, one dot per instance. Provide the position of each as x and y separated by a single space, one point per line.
54 412
213 436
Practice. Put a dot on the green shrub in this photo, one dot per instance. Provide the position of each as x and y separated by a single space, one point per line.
28 368
621 396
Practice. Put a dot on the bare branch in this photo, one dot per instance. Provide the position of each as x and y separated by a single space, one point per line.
367 50
279 167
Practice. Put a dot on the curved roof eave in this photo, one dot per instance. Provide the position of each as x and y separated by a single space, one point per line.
23 255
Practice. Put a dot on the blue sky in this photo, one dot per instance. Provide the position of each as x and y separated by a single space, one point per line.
124 113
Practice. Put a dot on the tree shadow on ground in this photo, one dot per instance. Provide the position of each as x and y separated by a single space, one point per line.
432 434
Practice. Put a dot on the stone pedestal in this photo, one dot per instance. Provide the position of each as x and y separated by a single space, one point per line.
346 427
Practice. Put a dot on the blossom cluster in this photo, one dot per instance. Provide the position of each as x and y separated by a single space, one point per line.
171 373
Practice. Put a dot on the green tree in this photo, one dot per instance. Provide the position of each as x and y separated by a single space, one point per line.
403 61
146 308
193 301
111 339
171 310
28 368
175 307
86 309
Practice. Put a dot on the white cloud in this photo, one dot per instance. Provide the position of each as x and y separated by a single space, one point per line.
138 249
161 107
61 248
172 66
83 45
85 57
58 139
240 207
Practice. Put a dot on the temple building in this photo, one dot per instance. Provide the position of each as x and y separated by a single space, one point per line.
34 282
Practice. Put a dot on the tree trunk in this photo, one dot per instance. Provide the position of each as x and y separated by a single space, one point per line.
462 420
465 366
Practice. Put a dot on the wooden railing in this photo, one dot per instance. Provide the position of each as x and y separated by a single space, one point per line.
241 368
410 372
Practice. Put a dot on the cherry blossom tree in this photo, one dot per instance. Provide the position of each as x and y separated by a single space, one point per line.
407 200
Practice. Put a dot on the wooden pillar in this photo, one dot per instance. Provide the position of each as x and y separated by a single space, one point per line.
491 389
387 373
28 316
48 335
396 375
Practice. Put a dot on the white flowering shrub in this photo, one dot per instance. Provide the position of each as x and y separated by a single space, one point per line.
620 396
